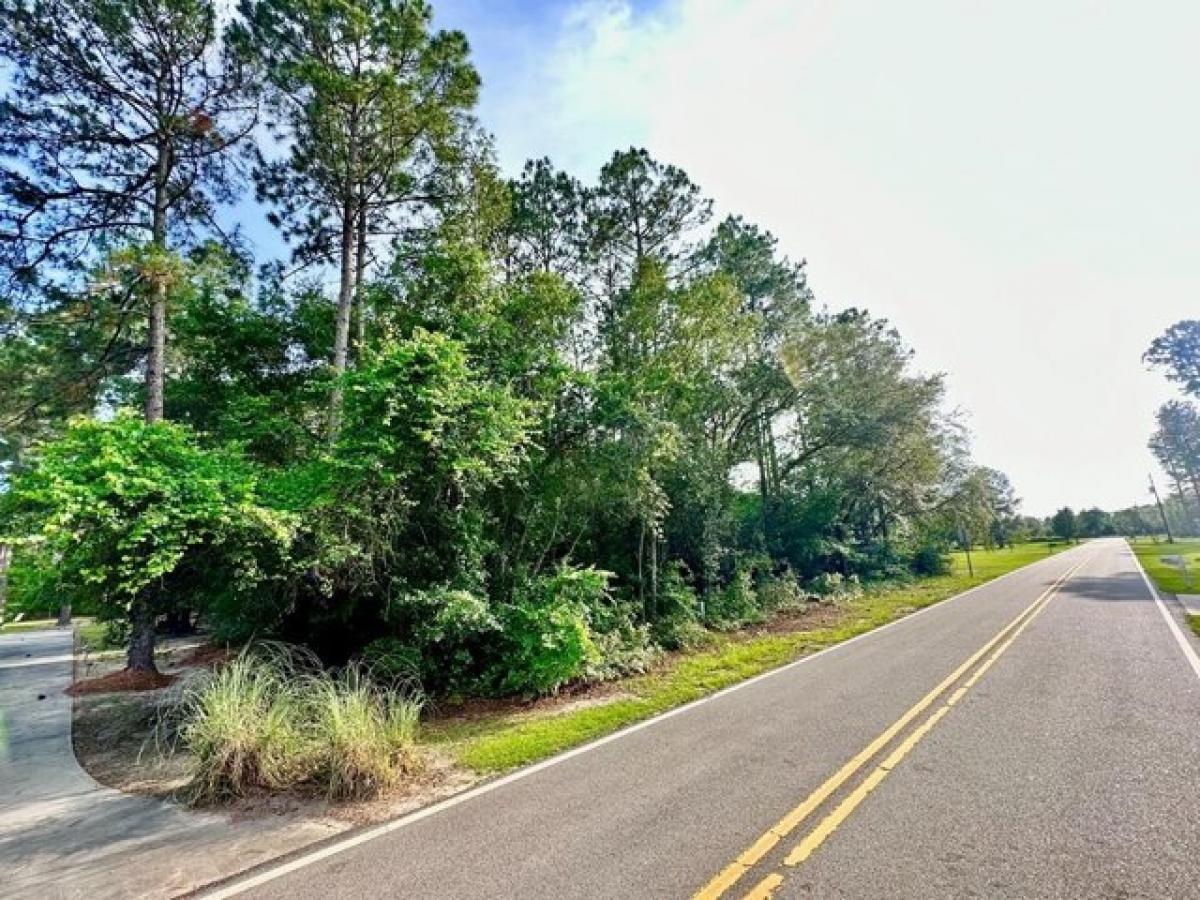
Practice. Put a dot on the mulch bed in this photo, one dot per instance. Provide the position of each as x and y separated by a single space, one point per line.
208 655
122 681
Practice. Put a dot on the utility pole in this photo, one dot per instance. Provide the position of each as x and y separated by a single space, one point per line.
1162 512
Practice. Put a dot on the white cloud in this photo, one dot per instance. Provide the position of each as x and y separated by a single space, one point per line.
1013 184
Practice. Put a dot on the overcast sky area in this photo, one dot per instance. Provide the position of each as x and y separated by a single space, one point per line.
1013 184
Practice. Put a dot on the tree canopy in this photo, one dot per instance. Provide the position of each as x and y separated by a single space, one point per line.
510 431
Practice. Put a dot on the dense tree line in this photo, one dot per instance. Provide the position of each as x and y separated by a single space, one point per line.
502 432
1175 442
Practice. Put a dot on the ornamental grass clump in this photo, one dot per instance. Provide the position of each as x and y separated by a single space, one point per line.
273 719
245 727
365 734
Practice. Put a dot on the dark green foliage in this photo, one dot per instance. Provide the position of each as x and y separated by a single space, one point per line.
1177 352
547 638
449 634
930 560
390 661
1065 524
735 604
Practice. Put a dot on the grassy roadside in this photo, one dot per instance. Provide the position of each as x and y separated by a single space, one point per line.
1166 576
30 625
496 742
93 636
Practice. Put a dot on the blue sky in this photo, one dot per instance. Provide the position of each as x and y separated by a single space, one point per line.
1013 184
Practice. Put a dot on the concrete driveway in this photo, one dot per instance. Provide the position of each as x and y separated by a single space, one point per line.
64 835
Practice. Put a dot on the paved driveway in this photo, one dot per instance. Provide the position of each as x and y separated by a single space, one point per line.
64 835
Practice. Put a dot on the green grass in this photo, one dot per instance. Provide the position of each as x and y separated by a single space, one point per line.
94 637
990 563
493 743
31 625
1166 576
1194 622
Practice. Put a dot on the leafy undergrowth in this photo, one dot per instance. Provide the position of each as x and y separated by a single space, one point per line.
501 740
96 637
1169 576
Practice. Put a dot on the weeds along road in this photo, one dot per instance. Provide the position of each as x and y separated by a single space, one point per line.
1038 737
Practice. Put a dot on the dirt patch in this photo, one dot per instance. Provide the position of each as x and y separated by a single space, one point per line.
437 780
116 739
789 621
570 697
122 681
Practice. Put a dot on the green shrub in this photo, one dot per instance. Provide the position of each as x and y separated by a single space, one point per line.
622 647
930 560
780 593
736 604
678 626
834 586
445 634
546 637
681 634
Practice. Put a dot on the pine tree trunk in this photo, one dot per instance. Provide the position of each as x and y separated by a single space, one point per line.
156 354
764 479
156 349
141 636
64 615
5 556
341 331
360 273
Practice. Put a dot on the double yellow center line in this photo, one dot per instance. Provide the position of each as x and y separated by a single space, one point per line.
731 874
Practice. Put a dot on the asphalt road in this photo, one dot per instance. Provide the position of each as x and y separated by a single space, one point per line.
1038 737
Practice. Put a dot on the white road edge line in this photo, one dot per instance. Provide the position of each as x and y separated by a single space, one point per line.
1180 638
241 885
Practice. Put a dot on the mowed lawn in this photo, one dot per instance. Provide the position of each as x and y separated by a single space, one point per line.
1162 562
28 625
498 741
93 636
990 563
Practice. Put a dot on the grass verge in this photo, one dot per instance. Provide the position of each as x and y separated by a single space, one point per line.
31 625
95 637
1170 576
497 742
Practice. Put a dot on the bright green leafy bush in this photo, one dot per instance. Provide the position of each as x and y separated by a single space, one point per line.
132 512
547 640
